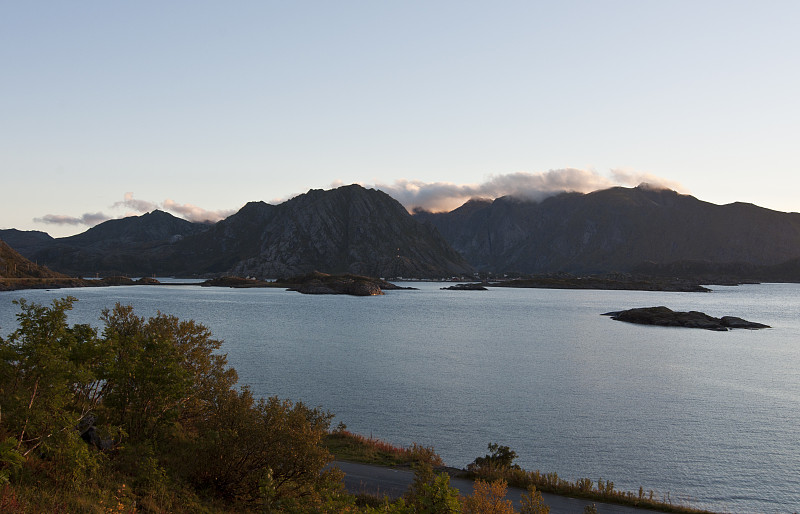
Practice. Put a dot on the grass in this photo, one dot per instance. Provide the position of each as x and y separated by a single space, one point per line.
348 446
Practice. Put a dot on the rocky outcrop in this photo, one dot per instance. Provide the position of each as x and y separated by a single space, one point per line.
665 317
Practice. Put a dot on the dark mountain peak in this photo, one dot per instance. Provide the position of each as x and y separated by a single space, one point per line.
349 229
639 196
156 214
24 239
253 210
152 226
353 201
474 204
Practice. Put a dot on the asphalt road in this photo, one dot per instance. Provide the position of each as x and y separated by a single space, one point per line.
363 478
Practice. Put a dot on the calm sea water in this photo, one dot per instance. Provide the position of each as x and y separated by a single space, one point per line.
710 418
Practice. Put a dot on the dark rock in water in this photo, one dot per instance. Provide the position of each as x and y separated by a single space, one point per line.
236 282
734 322
665 317
322 283
465 287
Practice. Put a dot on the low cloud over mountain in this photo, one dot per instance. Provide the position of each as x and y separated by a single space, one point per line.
135 207
89 219
445 196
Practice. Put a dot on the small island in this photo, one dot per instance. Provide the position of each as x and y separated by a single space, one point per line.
609 282
665 317
323 283
465 287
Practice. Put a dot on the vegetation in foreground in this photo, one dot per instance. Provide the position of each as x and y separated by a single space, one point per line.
498 466
144 416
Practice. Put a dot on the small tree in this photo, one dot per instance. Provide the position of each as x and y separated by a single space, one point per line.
488 498
431 492
501 457
533 503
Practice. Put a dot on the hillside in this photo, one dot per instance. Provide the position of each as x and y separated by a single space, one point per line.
13 265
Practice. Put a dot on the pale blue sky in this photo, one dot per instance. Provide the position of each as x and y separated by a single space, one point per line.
215 104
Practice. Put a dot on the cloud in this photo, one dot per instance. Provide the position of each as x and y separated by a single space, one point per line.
632 178
85 219
137 205
195 213
445 196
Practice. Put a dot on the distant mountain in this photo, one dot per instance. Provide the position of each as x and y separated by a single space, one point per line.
617 229
363 231
136 245
346 230
30 240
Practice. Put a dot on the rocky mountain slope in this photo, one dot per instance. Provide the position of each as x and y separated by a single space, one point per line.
345 230
617 229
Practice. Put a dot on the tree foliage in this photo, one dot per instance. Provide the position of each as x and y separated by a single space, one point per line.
431 492
501 457
488 498
533 503
153 400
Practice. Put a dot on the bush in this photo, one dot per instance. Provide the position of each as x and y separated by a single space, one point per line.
533 503
431 492
488 498
501 457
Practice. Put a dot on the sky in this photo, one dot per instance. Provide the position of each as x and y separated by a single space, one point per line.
110 109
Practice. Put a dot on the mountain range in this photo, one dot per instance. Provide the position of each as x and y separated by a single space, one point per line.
364 231
345 230
616 229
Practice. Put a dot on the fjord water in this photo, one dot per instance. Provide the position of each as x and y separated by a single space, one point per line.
710 418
